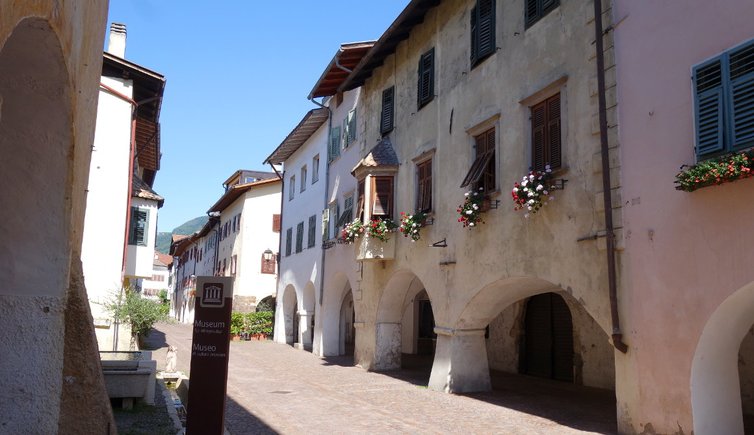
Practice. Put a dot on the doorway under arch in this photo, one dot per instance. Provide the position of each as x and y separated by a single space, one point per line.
346 329
290 317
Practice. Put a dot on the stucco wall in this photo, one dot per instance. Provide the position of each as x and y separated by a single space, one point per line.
50 57
139 259
508 258
685 252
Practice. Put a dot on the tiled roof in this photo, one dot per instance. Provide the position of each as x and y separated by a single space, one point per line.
382 155
140 189
236 191
165 259
345 59
303 131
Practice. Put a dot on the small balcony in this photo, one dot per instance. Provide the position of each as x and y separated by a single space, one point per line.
372 249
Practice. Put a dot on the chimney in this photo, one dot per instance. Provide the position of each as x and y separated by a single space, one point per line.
117 44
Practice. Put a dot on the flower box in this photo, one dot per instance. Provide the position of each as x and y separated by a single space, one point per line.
371 249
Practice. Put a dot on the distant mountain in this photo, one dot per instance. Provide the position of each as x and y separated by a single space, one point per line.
164 239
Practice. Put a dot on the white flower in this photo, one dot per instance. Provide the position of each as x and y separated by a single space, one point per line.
540 187
531 202
529 208
481 188
530 194
476 207
413 225
524 182
531 177
471 224
466 194
515 189
469 212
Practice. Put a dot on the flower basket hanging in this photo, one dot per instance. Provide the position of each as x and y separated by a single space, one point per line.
380 228
411 224
717 171
472 208
534 191
352 231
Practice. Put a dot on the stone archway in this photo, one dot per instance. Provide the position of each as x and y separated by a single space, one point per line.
398 319
715 383
286 318
305 334
338 288
346 329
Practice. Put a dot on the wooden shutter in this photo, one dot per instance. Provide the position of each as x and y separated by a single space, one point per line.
275 223
312 231
553 132
562 339
741 69
362 196
486 28
424 200
299 237
488 169
288 241
382 204
708 101
388 110
426 86
538 337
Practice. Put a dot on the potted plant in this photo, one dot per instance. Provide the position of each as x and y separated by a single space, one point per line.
380 228
533 192
717 171
471 210
352 231
411 224
236 325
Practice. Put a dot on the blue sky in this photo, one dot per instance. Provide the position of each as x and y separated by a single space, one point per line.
238 73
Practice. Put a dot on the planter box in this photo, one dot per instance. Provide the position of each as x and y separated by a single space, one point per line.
371 249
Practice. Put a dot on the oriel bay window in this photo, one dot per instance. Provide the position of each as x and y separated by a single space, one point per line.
376 187
382 196
137 233
482 171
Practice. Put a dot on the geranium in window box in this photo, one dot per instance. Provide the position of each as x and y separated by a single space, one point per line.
472 208
380 229
411 224
352 231
712 172
533 192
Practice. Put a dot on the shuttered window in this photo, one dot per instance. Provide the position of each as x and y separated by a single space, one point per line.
536 9
326 224
292 187
299 237
349 126
382 197
275 223
137 234
724 102
426 87
424 186
311 239
347 215
482 171
482 31
303 178
288 241
334 148
388 110
315 169
545 134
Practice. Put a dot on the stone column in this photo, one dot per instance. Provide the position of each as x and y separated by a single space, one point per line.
460 364
387 352
304 337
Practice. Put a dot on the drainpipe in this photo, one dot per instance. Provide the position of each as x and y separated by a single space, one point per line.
617 335
327 188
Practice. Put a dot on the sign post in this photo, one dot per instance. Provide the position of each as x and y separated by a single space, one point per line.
210 347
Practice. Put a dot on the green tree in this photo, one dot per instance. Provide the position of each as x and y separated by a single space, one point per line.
139 313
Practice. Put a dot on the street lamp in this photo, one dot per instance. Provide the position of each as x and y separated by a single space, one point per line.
268 255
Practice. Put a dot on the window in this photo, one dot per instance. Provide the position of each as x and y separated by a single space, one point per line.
482 31
388 110
347 215
362 198
288 241
234 225
424 186
334 149
349 127
292 187
312 231
275 223
426 88
249 179
724 102
333 219
299 237
233 264
326 224
545 134
303 178
382 197
536 9
315 169
482 171
137 234
268 266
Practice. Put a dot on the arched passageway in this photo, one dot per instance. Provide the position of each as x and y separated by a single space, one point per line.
405 336
722 378
346 329
289 314
547 347
338 318
306 318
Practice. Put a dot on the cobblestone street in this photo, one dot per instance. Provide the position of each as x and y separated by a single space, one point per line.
275 388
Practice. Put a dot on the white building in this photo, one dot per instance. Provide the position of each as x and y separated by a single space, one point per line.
120 225
159 281
318 145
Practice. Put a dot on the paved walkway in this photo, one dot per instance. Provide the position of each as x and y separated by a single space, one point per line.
273 388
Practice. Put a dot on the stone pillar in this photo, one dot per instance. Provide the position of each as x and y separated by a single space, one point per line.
387 352
460 364
304 337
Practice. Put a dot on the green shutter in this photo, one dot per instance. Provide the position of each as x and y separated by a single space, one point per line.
426 87
137 234
388 110
352 126
334 143
473 32
708 101
741 68
312 231
485 28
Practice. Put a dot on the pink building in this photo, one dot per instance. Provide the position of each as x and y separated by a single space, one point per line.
685 74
